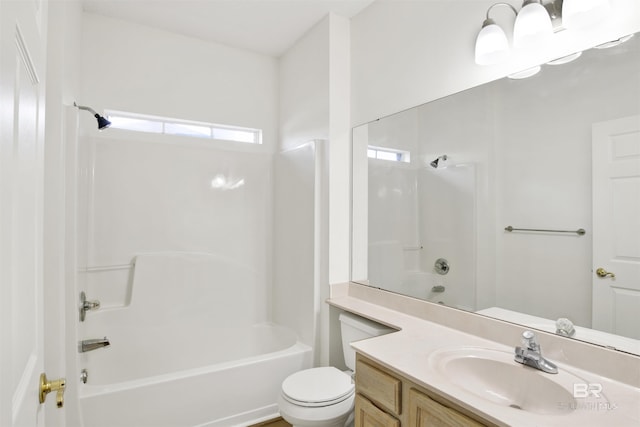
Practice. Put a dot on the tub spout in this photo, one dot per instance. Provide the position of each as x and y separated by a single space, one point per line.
90 345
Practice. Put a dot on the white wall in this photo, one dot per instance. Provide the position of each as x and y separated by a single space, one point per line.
314 104
339 148
129 67
405 53
304 89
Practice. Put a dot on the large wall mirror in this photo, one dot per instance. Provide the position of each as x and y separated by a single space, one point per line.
517 199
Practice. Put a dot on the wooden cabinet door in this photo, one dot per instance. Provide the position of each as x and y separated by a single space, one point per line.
369 415
380 387
426 412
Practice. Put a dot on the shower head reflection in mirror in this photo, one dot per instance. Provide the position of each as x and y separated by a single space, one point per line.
440 162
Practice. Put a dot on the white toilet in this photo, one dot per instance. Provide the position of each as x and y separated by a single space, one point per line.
324 397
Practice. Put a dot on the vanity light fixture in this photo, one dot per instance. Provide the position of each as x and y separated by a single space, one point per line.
534 25
492 45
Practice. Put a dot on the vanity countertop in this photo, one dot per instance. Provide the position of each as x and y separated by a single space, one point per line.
409 353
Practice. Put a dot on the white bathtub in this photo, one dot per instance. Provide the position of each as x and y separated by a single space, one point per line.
235 392
190 348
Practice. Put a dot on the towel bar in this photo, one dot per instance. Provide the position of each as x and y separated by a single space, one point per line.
579 232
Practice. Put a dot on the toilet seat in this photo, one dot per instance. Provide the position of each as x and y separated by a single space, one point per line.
318 387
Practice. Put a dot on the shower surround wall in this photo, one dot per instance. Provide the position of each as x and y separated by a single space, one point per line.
300 200
179 253
208 204
184 196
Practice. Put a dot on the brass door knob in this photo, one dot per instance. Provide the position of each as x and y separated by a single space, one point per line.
47 387
601 272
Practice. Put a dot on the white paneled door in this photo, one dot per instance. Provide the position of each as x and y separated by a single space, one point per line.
22 58
616 226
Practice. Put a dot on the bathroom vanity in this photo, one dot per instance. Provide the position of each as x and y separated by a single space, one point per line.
386 398
447 367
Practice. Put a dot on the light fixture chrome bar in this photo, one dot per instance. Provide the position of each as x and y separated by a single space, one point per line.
501 4
554 9
580 231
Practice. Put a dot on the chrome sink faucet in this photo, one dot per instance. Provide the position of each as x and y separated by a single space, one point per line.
530 354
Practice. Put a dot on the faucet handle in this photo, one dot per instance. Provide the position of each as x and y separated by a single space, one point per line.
529 341
86 305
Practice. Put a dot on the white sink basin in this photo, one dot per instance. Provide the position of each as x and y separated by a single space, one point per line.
496 378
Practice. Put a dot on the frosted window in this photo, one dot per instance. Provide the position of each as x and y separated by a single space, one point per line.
235 135
388 154
187 130
140 125
153 124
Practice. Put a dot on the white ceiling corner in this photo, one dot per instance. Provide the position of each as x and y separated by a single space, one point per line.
268 27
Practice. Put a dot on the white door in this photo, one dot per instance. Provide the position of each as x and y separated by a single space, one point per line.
22 58
616 226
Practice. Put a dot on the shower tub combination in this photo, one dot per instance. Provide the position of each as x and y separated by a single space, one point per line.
178 357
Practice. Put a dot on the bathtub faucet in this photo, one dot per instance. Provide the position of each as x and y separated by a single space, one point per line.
90 345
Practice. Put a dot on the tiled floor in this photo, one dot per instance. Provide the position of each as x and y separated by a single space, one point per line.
278 422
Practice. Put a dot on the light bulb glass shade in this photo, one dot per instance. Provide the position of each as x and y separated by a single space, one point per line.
532 27
492 46
581 13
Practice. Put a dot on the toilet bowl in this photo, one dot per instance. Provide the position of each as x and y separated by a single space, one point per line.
324 397
317 397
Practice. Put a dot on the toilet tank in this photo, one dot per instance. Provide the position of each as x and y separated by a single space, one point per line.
356 328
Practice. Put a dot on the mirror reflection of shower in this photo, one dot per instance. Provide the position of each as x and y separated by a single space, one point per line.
440 162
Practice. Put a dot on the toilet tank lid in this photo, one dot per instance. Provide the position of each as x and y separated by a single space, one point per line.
366 325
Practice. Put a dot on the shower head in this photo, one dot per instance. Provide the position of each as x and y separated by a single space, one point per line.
434 164
102 122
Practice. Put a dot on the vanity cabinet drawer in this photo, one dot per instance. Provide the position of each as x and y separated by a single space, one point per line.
426 412
369 415
379 386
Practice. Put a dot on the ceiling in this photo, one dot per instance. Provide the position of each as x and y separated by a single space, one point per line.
269 27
